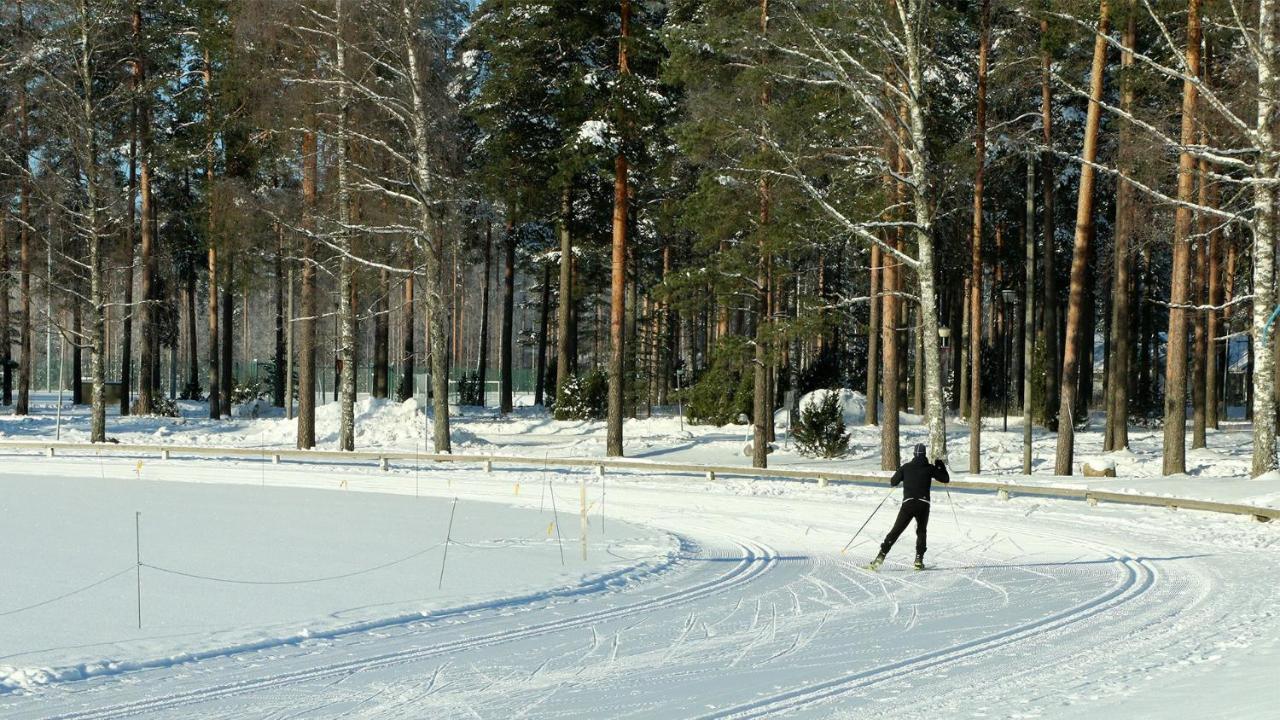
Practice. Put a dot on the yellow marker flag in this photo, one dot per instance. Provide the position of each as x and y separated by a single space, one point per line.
138 470
517 487
551 527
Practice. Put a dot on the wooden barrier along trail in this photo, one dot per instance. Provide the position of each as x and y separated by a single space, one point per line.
822 477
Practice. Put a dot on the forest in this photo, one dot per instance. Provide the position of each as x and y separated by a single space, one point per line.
609 209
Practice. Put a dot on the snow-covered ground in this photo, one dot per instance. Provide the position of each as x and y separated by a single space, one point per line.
315 590
727 599
230 570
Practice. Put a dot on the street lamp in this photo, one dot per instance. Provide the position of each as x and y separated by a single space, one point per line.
1010 298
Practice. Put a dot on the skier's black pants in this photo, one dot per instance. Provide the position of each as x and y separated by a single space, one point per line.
917 510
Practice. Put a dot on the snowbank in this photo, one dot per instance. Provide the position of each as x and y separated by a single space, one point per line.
853 404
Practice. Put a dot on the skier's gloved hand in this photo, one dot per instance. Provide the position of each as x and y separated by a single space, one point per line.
940 463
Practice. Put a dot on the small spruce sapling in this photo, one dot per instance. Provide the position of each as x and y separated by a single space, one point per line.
820 430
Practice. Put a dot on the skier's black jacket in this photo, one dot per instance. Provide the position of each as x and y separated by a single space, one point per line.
916 475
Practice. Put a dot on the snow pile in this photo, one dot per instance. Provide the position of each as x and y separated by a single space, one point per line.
1272 477
1100 462
852 403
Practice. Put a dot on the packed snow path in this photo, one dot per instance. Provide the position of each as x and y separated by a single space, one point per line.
1030 609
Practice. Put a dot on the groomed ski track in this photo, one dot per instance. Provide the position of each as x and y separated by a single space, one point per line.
1030 609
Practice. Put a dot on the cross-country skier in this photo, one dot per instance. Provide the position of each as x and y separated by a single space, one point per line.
916 477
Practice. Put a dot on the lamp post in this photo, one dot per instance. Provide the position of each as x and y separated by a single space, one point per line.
1010 298
679 394
944 346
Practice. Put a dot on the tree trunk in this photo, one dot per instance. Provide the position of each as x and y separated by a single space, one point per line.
975 288
226 327
1228 324
1052 355
280 383
192 389
1028 310
762 405
1088 325
564 325
77 354
889 440
1116 434
405 390
873 340
618 273
148 360
762 410
924 202
1213 324
6 342
665 341
1080 255
24 243
1199 296
136 78
1264 234
505 355
307 321
482 365
543 310
1175 369
431 239
215 376
346 271
963 344
382 338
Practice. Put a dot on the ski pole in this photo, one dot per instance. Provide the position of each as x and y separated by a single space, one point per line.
953 507
864 525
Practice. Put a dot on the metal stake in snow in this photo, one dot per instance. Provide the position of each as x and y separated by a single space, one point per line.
447 537
864 525
137 548
582 510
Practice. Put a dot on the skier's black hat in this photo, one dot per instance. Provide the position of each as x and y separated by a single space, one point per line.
920 450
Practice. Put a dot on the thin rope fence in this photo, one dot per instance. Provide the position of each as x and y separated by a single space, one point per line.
71 593
306 581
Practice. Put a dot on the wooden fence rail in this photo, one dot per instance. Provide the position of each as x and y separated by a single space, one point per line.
822 477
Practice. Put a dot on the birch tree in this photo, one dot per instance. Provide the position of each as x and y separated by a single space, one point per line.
879 63
403 67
